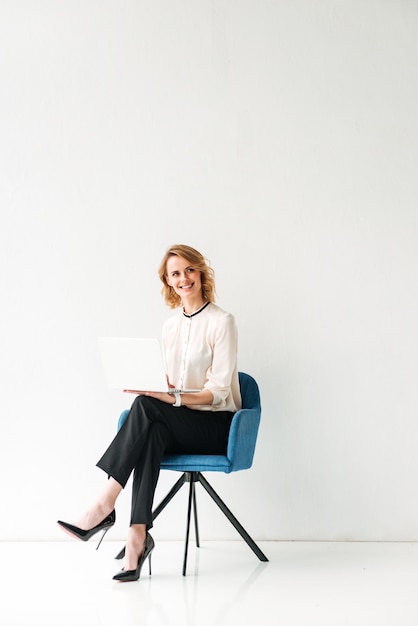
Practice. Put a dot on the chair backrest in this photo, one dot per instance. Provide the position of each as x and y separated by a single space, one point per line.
244 426
250 394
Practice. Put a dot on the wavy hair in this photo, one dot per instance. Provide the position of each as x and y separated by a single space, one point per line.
198 262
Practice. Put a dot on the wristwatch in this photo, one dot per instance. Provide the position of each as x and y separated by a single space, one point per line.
178 399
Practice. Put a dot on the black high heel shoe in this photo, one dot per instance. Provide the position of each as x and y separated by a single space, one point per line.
133 574
85 535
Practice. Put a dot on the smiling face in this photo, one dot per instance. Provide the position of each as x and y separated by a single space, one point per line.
185 280
199 271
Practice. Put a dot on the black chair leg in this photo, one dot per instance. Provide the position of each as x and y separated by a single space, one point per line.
174 489
196 525
250 542
190 476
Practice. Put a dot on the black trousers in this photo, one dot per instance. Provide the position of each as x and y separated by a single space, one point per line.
152 429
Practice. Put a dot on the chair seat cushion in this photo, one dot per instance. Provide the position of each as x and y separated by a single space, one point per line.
196 463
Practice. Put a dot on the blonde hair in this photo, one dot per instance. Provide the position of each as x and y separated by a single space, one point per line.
198 262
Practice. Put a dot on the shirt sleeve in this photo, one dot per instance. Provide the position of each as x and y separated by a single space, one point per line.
223 367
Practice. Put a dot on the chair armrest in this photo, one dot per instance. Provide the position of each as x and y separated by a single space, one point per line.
122 418
242 438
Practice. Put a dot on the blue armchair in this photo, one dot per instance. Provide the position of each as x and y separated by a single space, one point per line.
239 456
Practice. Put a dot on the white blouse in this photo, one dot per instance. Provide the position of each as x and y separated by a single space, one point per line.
200 352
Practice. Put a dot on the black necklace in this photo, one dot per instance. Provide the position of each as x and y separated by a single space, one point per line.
196 312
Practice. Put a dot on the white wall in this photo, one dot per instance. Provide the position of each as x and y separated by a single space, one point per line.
280 138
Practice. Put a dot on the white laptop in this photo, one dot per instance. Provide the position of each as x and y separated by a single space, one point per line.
135 364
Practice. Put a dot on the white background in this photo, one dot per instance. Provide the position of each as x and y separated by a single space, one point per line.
280 139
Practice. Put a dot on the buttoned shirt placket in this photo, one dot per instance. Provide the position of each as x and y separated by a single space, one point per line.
187 325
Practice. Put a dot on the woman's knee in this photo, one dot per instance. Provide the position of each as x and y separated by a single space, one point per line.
145 406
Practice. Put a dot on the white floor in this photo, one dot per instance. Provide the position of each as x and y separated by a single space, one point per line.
309 584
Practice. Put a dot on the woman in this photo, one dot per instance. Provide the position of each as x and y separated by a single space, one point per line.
200 352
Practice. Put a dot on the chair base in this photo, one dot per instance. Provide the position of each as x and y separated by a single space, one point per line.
192 478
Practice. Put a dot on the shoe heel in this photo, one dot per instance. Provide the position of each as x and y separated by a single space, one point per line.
149 563
120 555
101 538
